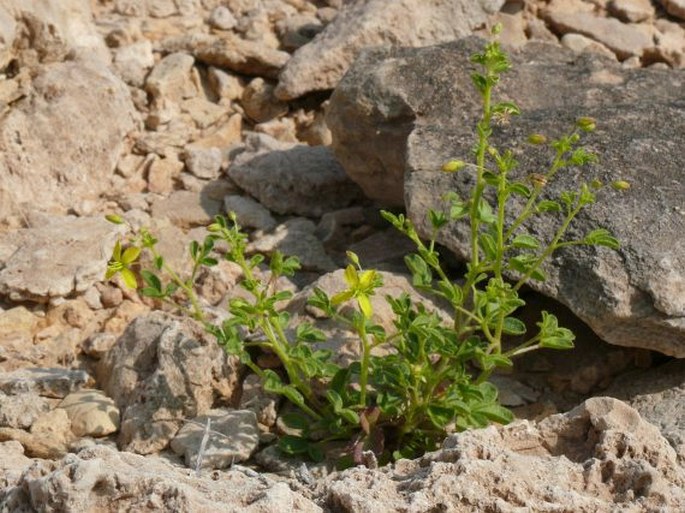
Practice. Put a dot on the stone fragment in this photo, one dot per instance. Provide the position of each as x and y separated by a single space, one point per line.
320 64
674 7
630 298
631 11
591 459
161 372
250 213
49 437
292 179
17 324
670 44
259 101
203 163
295 238
233 437
70 254
622 39
141 484
224 136
579 43
204 113
161 174
21 410
263 404
231 52
97 345
91 413
133 62
225 85
186 209
12 464
55 149
174 78
296 31
222 18
48 382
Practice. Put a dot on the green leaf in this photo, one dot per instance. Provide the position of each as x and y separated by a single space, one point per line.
296 420
458 210
437 219
293 395
485 213
479 81
194 248
602 237
159 262
151 280
293 445
272 382
525 241
496 413
315 453
350 416
440 416
548 206
421 273
488 245
307 333
514 326
519 188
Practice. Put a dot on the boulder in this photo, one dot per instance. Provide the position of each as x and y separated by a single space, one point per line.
290 178
319 65
160 372
598 458
60 141
414 109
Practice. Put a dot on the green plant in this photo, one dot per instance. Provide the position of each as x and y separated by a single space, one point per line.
433 378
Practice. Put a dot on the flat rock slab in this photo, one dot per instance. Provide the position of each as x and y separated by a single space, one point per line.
64 257
140 484
414 109
56 383
320 64
91 413
232 437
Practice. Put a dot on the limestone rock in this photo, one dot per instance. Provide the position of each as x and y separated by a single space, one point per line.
259 101
658 394
140 483
133 62
250 213
674 7
186 208
231 52
71 254
21 410
203 163
623 39
295 238
47 382
49 438
56 148
233 437
600 456
91 413
161 372
174 78
319 65
292 179
631 11
401 104
12 464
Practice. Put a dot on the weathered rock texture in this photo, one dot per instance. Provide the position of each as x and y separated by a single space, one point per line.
161 372
101 479
320 64
414 109
600 457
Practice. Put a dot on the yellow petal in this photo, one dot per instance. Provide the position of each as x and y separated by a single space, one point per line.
129 278
130 255
366 279
365 305
342 297
351 276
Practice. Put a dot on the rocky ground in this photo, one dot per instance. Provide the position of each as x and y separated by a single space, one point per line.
168 112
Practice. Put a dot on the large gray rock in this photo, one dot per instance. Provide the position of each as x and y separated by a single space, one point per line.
292 178
601 457
161 372
414 109
111 482
319 65
60 142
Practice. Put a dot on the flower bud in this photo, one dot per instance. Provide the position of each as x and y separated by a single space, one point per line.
621 185
586 124
453 166
496 29
538 180
596 184
537 139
